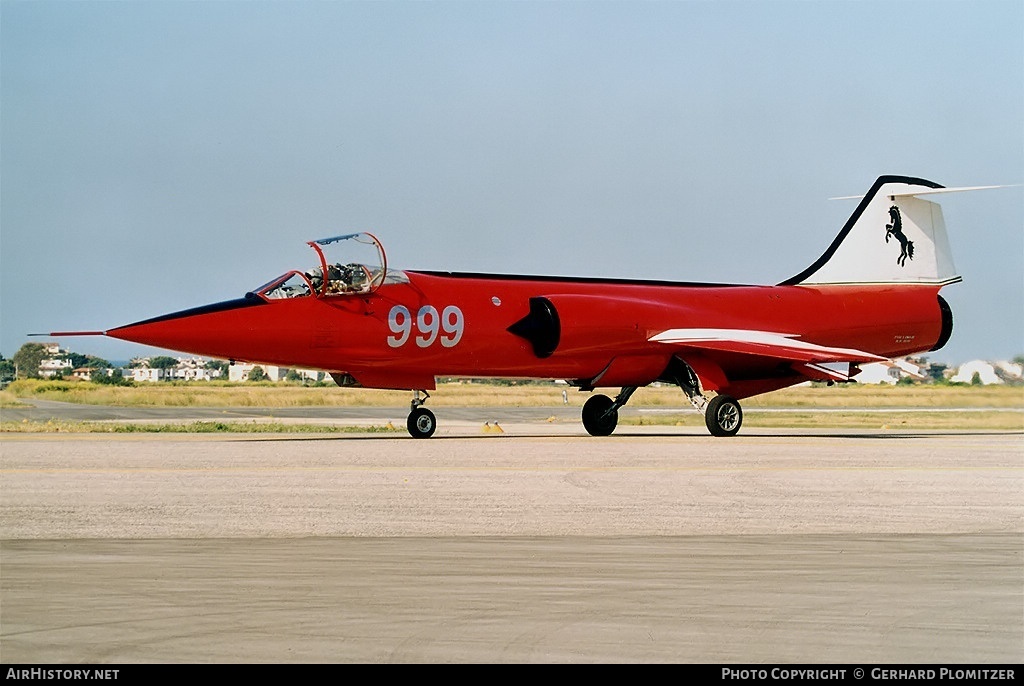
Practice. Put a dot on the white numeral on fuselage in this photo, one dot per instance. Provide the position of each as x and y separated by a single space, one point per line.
430 326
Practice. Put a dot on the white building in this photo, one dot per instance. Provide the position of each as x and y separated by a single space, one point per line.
140 374
986 372
193 374
240 372
889 372
187 369
51 367
1010 371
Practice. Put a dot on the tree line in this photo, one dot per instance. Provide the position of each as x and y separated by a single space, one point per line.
26 363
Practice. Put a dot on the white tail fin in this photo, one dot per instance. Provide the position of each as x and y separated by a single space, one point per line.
892 237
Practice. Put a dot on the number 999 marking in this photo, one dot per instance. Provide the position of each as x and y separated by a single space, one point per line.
446 327
452 324
400 322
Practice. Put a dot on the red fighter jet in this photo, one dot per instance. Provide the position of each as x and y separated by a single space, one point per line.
873 295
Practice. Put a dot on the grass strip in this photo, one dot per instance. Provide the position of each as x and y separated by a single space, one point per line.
198 427
216 394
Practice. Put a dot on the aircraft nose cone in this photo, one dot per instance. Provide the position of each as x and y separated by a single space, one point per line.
206 330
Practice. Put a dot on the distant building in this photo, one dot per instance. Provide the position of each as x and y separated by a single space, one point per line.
53 367
191 363
1010 372
988 372
187 369
193 374
889 372
313 375
90 373
240 372
140 374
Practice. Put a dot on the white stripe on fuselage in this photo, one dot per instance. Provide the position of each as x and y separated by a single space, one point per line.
768 338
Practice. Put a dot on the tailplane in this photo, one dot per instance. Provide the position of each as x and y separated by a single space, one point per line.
892 237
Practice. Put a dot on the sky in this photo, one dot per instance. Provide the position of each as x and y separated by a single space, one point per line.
162 155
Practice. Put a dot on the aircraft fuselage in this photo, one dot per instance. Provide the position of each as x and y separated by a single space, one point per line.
403 335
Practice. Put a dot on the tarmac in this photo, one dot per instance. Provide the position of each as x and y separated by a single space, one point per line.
538 544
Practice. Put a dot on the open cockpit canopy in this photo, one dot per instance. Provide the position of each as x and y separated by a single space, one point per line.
354 264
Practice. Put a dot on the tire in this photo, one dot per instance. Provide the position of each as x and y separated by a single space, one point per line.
594 420
421 423
723 416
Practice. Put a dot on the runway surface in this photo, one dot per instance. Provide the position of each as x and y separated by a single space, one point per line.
536 545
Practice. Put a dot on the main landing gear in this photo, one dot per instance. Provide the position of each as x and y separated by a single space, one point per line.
421 422
601 413
722 414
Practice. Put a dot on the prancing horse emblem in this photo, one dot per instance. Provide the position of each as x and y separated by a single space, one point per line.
896 229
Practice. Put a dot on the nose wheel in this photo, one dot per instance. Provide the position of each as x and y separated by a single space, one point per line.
421 422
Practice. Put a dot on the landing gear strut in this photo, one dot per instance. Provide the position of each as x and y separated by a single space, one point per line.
601 413
722 414
421 422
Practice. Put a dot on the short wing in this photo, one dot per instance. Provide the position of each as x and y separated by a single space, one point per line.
811 359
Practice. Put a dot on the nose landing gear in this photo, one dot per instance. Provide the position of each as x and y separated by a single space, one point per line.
421 422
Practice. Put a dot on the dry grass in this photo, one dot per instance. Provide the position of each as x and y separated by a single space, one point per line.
872 396
8 399
494 395
949 407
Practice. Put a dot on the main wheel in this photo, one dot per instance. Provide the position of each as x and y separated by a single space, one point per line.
723 416
421 423
596 418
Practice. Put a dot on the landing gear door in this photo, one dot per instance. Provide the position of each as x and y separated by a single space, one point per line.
349 265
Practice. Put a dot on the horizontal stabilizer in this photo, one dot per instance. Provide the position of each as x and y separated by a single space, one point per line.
933 191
